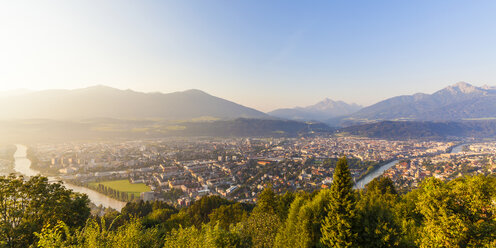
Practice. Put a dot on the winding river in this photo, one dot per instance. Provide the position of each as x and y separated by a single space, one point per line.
360 184
367 179
23 166
458 148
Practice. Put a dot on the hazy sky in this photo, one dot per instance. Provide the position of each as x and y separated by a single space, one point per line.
262 54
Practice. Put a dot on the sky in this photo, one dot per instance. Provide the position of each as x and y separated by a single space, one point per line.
261 54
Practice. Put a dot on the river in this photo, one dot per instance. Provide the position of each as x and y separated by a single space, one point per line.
23 166
458 148
367 179
376 173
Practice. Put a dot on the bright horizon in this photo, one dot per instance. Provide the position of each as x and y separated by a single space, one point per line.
264 55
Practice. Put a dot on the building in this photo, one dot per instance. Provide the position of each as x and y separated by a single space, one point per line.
147 196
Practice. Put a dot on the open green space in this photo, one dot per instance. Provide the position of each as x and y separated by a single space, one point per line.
124 186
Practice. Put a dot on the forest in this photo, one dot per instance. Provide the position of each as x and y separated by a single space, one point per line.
456 213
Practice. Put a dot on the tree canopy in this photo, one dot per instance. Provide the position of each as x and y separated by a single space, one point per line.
457 213
28 205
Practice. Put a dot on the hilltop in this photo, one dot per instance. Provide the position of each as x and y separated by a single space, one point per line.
106 102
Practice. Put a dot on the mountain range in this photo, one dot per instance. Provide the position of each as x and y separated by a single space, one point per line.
321 111
457 110
457 102
460 101
106 102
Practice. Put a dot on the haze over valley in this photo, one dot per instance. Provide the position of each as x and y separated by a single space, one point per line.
247 124
101 111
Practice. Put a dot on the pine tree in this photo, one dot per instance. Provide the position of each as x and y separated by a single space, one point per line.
338 226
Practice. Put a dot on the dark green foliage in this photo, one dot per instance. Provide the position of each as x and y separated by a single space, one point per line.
302 227
199 211
378 226
267 202
95 234
285 201
261 228
409 218
137 209
26 206
205 237
338 228
142 208
381 185
226 215
459 213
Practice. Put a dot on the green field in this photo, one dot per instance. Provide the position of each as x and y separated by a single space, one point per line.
124 186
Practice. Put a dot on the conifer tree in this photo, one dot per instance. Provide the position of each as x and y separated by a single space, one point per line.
338 226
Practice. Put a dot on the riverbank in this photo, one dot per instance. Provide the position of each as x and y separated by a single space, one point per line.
373 168
23 166
7 159
360 184
379 170
458 148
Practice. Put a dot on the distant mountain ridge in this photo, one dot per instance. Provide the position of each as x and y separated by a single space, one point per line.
106 102
460 101
47 130
404 130
244 127
321 111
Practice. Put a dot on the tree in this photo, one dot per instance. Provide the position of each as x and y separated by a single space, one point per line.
458 213
207 236
265 219
267 202
302 227
226 215
291 233
142 208
285 201
54 237
26 206
409 218
376 214
338 228
199 211
95 234
261 228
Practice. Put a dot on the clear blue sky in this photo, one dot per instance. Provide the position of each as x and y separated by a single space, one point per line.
262 54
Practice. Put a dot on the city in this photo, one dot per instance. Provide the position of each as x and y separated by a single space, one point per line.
179 171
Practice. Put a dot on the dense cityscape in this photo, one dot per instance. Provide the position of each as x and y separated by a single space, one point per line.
179 171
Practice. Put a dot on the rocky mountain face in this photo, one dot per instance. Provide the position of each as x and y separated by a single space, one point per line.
460 101
321 111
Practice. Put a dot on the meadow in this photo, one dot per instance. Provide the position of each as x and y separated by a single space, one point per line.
124 186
